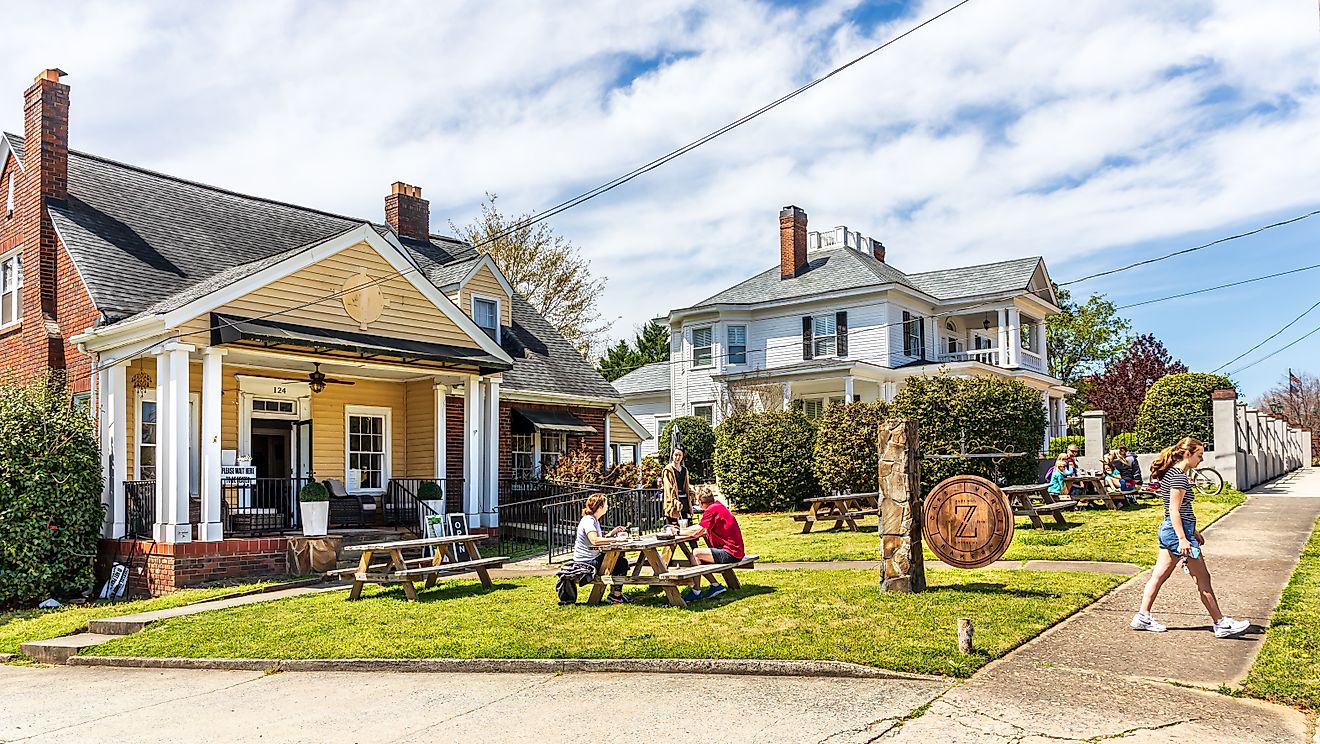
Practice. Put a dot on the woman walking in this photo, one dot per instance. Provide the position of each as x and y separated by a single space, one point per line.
677 488
1179 539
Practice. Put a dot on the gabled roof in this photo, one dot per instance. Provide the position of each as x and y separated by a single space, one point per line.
981 279
828 270
651 378
15 143
544 361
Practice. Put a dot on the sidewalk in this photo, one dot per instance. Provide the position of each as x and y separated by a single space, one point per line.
1092 677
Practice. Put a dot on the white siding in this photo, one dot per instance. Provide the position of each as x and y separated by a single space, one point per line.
646 409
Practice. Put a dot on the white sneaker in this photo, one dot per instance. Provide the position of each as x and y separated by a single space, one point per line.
1227 627
1147 622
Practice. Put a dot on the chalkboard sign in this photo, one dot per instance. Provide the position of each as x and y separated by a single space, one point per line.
458 526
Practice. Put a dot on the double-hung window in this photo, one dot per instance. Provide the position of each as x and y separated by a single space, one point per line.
368 443
702 340
11 284
737 351
660 424
554 444
146 441
487 315
705 411
913 335
824 329
522 448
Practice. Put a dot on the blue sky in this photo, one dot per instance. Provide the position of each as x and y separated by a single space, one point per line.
1093 132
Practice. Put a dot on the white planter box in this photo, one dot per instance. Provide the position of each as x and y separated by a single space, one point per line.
315 517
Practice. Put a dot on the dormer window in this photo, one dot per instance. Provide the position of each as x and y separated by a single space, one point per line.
487 315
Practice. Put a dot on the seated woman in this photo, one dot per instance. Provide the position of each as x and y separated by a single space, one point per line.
1109 467
589 540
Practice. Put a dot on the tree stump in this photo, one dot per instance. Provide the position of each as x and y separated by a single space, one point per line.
901 566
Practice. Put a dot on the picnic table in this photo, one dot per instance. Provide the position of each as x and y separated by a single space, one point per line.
395 569
656 552
844 508
1094 485
1034 500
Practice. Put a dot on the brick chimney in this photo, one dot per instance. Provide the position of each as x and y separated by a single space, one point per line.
878 250
792 242
407 212
46 180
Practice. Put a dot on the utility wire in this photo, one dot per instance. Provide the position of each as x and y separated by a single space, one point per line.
1276 351
1271 337
1219 286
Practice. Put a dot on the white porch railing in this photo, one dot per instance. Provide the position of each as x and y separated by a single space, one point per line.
1031 361
984 356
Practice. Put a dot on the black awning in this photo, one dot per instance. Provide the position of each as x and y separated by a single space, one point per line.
543 420
272 334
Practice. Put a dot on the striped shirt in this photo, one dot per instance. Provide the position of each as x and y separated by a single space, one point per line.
1175 478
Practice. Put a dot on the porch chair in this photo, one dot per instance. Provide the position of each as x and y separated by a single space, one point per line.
348 509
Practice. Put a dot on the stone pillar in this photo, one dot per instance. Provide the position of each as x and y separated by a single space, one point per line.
112 392
473 440
1253 446
1093 428
901 565
212 376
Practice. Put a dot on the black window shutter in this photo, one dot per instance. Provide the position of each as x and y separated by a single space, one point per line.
841 333
921 335
806 337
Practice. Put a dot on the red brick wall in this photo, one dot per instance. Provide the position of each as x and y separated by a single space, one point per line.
594 417
454 449
168 568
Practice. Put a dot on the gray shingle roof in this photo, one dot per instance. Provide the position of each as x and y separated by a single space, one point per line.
828 270
653 377
968 281
16 144
147 242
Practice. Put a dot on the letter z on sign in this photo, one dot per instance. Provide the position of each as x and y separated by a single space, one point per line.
968 521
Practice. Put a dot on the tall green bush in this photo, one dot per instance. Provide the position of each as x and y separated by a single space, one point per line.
1178 406
1059 445
698 446
50 493
846 453
997 414
763 460
1127 439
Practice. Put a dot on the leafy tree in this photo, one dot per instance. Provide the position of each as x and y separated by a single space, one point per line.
763 460
50 493
1177 406
847 456
651 344
1121 388
1298 401
546 269
698 446
1083 339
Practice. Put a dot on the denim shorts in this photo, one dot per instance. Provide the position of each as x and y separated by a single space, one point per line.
1169 538
722 556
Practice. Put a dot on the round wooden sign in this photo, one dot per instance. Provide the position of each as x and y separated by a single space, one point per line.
968 521
363 301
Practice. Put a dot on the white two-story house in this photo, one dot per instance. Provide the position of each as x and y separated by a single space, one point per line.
834 322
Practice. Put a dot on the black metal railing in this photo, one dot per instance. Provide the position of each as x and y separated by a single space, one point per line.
140 501
260 505
638 507
401 505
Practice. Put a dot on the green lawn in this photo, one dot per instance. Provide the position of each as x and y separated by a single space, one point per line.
21 626
1288 667
1092 534
839 615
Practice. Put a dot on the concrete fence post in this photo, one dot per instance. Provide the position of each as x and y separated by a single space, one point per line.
1093 429
1223 411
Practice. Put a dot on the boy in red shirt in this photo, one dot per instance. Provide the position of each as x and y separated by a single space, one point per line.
724 536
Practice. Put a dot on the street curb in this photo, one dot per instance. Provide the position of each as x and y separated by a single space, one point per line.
750 667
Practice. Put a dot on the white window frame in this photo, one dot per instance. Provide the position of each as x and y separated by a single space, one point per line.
821 403
660 423
530 453
710 418
542 452
9 199
16 294
917 321
387 466
818 338
728 337
475 298
710 348
148 395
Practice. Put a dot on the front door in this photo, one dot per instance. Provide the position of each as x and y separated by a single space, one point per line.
272 494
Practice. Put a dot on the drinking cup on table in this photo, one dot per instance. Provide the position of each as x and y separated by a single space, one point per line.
635 532
682 524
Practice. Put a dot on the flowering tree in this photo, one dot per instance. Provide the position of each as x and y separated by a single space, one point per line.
1119 390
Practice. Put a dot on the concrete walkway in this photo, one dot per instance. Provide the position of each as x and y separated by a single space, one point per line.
538 567
1092 677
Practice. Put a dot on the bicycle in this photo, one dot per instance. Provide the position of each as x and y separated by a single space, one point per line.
1207 482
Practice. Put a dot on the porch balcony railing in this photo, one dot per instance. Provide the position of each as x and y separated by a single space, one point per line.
401 505
984 356
1032 361
140 501
260 505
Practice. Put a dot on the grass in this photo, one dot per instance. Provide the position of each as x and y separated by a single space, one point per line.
838 615
21 626
1092 534
1287 670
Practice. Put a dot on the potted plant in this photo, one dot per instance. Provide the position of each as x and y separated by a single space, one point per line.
314 507
430 494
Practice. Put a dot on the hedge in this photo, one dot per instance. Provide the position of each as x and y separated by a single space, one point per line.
50 494
1127 439
763 460
1178 406
1003 415
698 446
846 453
1059 445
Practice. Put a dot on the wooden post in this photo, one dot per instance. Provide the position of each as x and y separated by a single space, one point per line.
965 635
901 566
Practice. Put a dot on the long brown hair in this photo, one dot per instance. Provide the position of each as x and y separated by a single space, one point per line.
1171 456
594 502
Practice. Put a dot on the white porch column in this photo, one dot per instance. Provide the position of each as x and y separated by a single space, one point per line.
788 397
172 523
1049 419
164 445
112 393
473 429
441 444
489 515
1002 330
848 389
610 459
212 376
1043 345
1014 347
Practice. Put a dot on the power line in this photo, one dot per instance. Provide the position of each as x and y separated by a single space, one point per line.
1270 338
1148 261
1276 351
1219 286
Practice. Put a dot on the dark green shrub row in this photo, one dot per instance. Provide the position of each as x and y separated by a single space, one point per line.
763 460
1178 406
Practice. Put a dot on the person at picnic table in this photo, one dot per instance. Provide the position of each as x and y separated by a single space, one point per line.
724 536
1179 540
591 537
1058 475
1129 468
678 489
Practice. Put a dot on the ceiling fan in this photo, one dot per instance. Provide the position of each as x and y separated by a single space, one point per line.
317 380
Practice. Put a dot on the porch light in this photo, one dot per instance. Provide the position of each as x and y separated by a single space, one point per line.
985 324
316 385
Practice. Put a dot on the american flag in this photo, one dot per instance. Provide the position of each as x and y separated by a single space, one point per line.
1294 384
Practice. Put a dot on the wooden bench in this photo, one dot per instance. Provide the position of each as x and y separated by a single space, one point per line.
688 573
1033 501
443 569
399 570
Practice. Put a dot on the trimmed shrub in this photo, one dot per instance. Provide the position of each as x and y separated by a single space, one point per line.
763 460
622 474
430 491
1178 406
1059 445
994 414
847 457
1127 439
698 446
313 492
50 494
